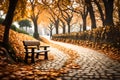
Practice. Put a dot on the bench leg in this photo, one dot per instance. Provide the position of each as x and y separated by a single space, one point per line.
37 55
46 53
32 57
46 56
26 58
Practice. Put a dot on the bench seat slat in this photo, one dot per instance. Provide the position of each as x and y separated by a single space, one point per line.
38 51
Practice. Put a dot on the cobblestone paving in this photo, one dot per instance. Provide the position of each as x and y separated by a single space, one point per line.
59 60
93 65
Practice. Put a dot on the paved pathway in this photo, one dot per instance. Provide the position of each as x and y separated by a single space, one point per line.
59 59
93 65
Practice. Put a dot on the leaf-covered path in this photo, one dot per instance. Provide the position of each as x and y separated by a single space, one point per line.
70 62
93 65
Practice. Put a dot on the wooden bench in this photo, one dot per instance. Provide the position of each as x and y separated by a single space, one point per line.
33 48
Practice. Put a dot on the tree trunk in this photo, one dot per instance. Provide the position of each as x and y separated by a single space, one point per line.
119 10
80 28
92 15
56 27
7 23
36 34
84 22
108 12
63 29
100 11
68 28
51 33
8 20
84 16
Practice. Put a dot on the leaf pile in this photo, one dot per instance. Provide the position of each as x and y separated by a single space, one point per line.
16 40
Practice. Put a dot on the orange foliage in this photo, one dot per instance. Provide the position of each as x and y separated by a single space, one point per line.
16 40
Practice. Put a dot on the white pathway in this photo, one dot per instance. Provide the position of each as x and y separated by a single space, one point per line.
93 65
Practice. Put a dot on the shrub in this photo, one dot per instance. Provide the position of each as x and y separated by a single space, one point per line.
102 35
13 27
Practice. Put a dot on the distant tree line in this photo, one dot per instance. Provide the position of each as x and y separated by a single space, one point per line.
63 12
107 35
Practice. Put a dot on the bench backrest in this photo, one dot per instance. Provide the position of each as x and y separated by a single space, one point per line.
31 43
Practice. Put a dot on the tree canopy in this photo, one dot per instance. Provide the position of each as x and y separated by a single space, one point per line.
93 13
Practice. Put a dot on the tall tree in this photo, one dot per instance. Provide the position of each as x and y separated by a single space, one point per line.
34 17
55 20
50 28
67 12
7 23
92 15
8 20
108 12
84 16
67 16
11 8
118 1
83 11
63 26
100 11
35 7
54 15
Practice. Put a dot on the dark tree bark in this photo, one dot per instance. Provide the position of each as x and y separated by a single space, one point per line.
64 29
119 10
100 11
108 12
50 33
63 26
8 20
7 23
67 15
55 20
84 16
56 25
80 27
34 17
69 30
84 23
35 34
50 28
68 18
92 15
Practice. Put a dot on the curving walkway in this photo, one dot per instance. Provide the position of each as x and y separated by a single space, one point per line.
93 65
